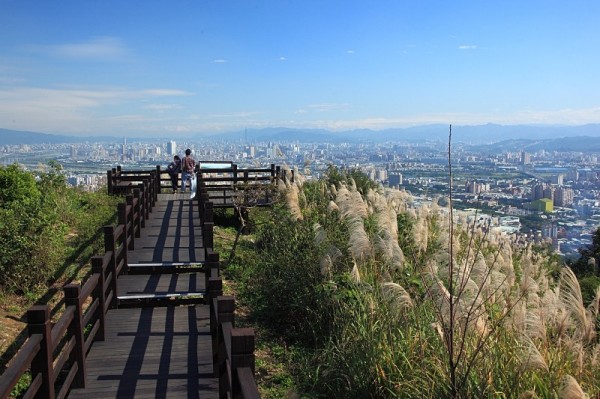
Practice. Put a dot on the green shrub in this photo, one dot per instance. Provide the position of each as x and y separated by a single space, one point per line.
45 226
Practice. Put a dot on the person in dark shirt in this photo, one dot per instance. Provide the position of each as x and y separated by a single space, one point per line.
173 169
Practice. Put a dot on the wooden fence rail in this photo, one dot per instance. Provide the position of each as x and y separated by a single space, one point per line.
233 348
55 353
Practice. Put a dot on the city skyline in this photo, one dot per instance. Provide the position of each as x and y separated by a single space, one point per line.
150 69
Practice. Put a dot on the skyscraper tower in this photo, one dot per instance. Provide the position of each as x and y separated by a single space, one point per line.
172 148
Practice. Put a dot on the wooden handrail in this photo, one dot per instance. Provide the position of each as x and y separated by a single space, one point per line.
52 347
233 350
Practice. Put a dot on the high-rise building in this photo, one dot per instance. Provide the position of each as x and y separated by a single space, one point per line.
395 179
172 148
563 196
557 179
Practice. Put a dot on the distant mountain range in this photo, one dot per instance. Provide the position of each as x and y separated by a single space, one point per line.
17 137
480 134
490 137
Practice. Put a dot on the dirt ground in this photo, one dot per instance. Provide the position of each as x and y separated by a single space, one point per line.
11 326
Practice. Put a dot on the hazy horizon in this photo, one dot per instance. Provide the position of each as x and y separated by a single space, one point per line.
153 69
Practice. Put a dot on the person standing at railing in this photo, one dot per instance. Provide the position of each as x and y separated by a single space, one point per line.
187 169
173 169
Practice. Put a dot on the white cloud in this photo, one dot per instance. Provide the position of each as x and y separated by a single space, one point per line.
325 107
282 58
98 48
467 47
350 52
71 109
220 61
244 114
163 107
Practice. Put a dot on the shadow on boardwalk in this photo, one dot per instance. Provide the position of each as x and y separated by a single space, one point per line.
157 351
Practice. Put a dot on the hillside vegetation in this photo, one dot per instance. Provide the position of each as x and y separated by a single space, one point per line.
48 232
372 295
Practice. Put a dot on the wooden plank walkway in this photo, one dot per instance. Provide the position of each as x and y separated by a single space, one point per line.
150 351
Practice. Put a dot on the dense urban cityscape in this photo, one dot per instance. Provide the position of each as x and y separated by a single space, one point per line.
552 196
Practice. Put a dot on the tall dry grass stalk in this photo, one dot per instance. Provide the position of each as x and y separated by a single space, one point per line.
482 285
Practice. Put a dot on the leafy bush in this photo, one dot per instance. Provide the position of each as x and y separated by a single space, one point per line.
45 225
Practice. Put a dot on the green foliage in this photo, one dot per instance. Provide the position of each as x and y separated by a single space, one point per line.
45 225
589 285
351 338
282 285
589 261
335 177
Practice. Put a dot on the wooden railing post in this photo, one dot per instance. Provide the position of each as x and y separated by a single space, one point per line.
147 200
209 215
211 270
38 322
235 174
225 314
129 222
97 268
110 245
109 182
157 184
73 298
215 288
208 236
137 213
242 355
273 171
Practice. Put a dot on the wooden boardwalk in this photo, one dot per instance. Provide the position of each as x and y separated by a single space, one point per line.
157 351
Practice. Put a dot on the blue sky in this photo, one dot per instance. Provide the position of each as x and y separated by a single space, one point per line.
168 68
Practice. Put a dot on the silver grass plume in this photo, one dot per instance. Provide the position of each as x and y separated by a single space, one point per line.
532 359
358 243
570 295
594 307
326 265
320 234
281 186
570 389
332 207
535 326
575 347
331 256
528 395
355 274
352 184
291 196
397 295
595 356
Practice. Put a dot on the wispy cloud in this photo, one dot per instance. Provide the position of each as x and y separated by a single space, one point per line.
467 47
163 107
243 114
349 51
323 107
220 61
69 109
282 58
99 48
